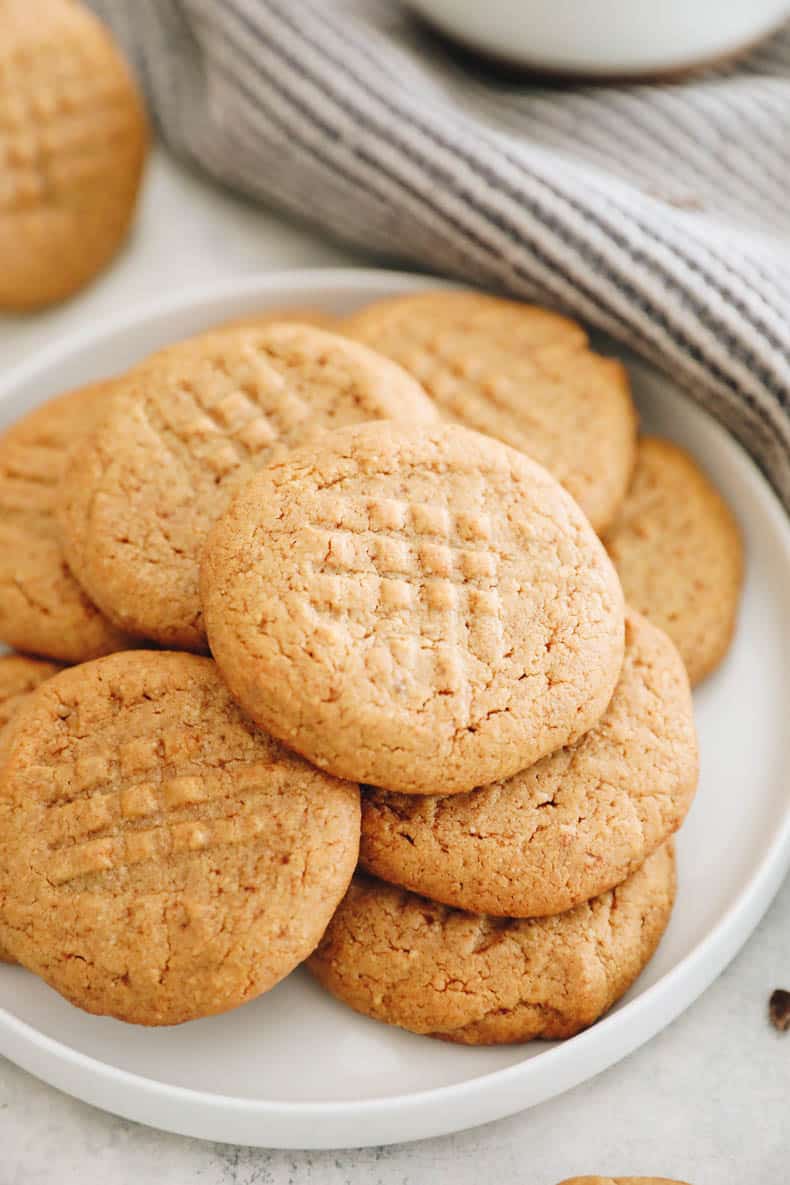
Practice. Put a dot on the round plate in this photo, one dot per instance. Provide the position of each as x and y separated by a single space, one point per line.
296 1069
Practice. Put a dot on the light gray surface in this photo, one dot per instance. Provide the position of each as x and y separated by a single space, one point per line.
706 1101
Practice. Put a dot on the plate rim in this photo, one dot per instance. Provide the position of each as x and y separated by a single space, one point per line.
495 1092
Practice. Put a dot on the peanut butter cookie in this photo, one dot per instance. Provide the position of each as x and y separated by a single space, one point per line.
413 607
296 314
487 981
190 428
620 1181
160 858
19 675
73 141
568 828
522 374
678 552
43 610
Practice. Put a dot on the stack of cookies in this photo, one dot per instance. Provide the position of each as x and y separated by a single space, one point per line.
423 668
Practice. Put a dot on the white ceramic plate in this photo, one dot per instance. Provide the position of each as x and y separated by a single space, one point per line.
295 1069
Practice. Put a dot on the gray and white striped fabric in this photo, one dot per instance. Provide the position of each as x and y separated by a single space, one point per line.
660 214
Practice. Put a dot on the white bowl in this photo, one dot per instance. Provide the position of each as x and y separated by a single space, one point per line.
606 38
297 1069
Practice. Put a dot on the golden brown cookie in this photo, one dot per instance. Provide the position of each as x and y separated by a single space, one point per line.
568 828
620 1181
160 858
522 374
193 426
678 552
478 980
42 608
19 675
284 315
298 314
413 607
73 140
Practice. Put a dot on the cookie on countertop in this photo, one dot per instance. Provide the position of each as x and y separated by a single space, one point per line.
567 828
73 141
43 610
477 980
522 374
678 552
193 426
413 607
620 1181
161 859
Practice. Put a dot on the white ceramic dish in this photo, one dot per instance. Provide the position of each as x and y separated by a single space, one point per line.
606 38
295 1069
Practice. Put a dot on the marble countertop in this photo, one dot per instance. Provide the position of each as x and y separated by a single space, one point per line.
706 1101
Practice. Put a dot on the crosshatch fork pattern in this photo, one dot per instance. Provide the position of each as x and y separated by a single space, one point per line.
32 460
235 412
29 477
48 123
228 427
134 806
436 567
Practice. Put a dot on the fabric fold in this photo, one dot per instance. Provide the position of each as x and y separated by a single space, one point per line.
658 213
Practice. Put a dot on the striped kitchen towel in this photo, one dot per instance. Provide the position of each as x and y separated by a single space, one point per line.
660 213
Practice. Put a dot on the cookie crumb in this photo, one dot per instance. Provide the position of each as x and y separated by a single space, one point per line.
779 1009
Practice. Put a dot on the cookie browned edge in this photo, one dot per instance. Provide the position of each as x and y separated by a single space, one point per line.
701 654
567 828
473 980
